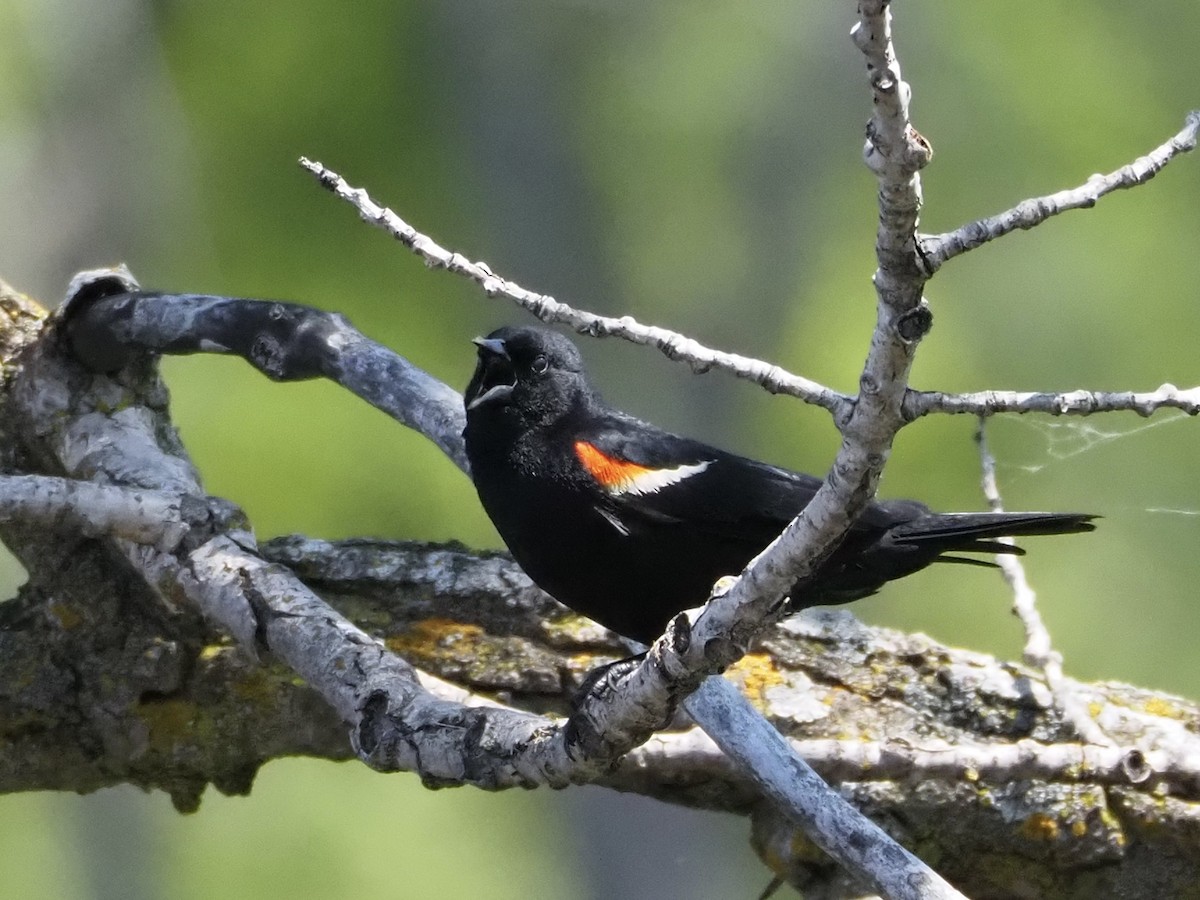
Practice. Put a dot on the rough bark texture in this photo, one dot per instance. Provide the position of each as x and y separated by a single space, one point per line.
961 756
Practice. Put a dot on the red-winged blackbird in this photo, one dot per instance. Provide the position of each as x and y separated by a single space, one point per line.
629 524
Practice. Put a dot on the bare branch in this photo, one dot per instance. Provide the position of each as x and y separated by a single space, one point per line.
937 760
674 345
265 608
1039 651
145 517
831 822
937 249
284 341
1069 403
895 153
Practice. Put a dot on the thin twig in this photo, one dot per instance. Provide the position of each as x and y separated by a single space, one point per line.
674 345
1039 652
936 249
1068 403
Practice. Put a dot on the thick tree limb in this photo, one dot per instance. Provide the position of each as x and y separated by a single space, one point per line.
144 517
963 754
395 723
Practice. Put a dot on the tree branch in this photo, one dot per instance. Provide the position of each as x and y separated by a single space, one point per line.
937 249
961 753
284 341
397 722
1039 651
109 323
673 344
1071 403
144 517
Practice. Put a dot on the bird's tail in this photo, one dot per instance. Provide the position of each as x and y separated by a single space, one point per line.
928 537
976 532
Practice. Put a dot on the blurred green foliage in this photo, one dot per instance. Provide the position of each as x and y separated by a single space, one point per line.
695 165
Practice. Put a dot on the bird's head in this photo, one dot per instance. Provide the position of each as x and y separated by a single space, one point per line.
533 374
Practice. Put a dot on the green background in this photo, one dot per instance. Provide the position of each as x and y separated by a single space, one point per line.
695 165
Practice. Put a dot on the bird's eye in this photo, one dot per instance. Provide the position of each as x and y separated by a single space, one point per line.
540 364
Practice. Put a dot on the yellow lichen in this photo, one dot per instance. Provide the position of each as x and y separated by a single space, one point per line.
1163 708
1040 827
758 674
429 635
437 643
169 722
254 687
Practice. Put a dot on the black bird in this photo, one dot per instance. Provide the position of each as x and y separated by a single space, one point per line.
629 524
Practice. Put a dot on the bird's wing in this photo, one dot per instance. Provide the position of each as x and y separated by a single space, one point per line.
647 479
650 477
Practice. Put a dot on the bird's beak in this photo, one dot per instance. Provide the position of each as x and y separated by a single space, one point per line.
494 376
491 346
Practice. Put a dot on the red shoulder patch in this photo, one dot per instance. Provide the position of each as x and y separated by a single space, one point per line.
620 476
614 474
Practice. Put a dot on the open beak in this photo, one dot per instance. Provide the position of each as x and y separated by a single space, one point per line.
492 346
495 377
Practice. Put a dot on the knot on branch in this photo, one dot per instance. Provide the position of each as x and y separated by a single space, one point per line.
914 324
895 158
1136 767
89 338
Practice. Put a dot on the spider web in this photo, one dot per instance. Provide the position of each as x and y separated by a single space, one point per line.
1061 440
